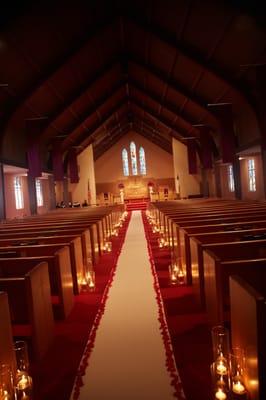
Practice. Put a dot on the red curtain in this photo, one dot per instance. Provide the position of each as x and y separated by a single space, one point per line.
57 159
224 114
205 146
73 166
33 132
192 156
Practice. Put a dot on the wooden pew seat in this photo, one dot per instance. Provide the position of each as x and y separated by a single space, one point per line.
30 304
248 330
75 250
7 355
60 277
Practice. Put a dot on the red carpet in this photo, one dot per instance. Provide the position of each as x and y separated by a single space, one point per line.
136 204
54 376
187 325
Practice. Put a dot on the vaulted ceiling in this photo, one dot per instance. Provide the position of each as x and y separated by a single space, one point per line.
93 70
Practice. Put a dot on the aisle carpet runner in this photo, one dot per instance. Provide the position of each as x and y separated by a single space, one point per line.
187 325
54 375
129 353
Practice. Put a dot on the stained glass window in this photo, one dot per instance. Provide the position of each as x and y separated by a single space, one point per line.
251 176
18 193
125 162
142 161
231 183
39 194
133 158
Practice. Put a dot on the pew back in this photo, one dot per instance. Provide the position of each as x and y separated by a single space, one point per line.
248 327
7 355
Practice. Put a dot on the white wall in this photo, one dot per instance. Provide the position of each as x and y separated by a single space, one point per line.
108 168
259 193
85 189
188 184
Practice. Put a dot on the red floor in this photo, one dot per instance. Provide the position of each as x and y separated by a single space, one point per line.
53 377
189 331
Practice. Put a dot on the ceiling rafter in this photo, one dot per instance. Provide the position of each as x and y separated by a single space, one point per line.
162 120
93 109
80 91
189 53
116 136
152 139
177 86
87 135
168 106
52 68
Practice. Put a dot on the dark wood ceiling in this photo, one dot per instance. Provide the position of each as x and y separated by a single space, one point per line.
97 69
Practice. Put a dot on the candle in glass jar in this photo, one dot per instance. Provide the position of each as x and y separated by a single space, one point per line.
220 395
239 388
4 395
24 388
91 284
173 278
221 368
23 382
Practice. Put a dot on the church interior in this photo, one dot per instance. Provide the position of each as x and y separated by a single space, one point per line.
132 200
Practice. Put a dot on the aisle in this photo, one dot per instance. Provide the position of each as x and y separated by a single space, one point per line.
128 360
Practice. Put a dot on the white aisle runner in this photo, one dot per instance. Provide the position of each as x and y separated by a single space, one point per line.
128 359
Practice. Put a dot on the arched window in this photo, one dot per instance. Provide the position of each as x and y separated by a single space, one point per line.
142 161
133 158
39 193
18 193
125 162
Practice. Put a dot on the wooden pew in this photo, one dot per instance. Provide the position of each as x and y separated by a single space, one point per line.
35 233
7 355
202 221
60 277
222 260
248 330
89 236
30 305
196 243
75 250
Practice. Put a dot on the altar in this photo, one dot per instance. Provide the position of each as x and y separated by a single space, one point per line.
135 187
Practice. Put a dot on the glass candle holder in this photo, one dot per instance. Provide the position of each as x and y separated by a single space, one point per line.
22 358
23 386
161 242
220 342
181 277
6 383
237 373
220 384
91 280
173 273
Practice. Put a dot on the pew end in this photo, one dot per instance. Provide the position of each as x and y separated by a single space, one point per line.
248 331
31 307
7 355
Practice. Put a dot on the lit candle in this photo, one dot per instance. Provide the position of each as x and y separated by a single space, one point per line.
181 276
221 365
24 382
221 368
83 283
239 388
175 269
4 395
24 388
220 395
174 278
